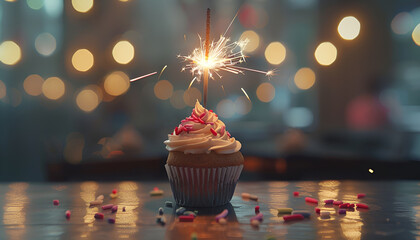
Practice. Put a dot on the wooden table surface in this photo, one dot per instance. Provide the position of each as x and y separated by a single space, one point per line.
27 211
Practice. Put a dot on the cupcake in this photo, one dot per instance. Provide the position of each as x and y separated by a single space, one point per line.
204 161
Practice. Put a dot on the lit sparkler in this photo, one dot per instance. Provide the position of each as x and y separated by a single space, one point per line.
210 59
144 76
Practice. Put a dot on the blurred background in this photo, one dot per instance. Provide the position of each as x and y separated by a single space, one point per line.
344 102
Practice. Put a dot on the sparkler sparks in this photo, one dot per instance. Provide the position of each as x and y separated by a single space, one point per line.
144 76
246 94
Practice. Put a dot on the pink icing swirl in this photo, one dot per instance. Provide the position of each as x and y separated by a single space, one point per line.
202 132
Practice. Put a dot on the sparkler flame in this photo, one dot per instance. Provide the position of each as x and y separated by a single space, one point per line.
223 56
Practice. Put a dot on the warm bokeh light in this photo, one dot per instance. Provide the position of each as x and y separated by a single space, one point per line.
177 99
2 89
304 78
416 35
226 108
298 117
116 83
163 89
325 53
33 85
275 53
10 53
123 52
45 44
87 100
253 40
82 5
191 96
35 4
53 88
82 60
266 92
349 28
402 23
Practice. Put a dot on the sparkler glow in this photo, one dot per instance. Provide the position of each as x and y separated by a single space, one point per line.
144 76
222 55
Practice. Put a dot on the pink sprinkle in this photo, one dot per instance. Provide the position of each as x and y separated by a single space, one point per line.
105 207
258 217
361 205
202 115
189 218
114 191
317 210
210 123
361 195
342 211
296 194
338 202
351 205
228 134
56 202
201 121
123 209
257 209
213 131
111 220
293 217
194 113
99 215
311 200
330 201
114 208
223 214
184 121
68 214
176 131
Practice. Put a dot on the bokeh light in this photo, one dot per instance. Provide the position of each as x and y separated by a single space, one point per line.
226 108
242 105
82 60
87 100
191 96
163 89
326 53
3 90
35 4
349 28
177 99
82 5
10 53
33 84
304 78
266 92
416 35
298 117
402 23
253 40
53 8
116 83
45 44
53 88
275 53
123 52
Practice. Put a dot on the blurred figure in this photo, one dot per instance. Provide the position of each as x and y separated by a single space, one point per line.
366 111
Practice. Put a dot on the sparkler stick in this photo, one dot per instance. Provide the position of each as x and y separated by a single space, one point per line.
206 70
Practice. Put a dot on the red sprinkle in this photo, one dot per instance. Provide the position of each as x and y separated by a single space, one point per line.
317 210
361 205
311 200
111 220
338 202
201 121
213 131
257 209
293 217
202 115
68 214
189 218
114 191
176 131
361 195
351 205
108 206
99 215
56 202
296 194
210 110
228 134
222 130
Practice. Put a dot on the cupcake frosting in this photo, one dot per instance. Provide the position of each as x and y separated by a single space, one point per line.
202 132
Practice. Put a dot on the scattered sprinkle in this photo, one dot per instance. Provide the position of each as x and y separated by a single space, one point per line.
56 202
99 215
317 210
108 206
188 218
114 208
223 214
325 214
285 210
305 214
68 214
338 202
249 196
361 205
257 209
329 201
114 191
361 195
293 217
223 221
258 217
160 211
123 209
96 202
296 194
111 220
311 200
342 211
